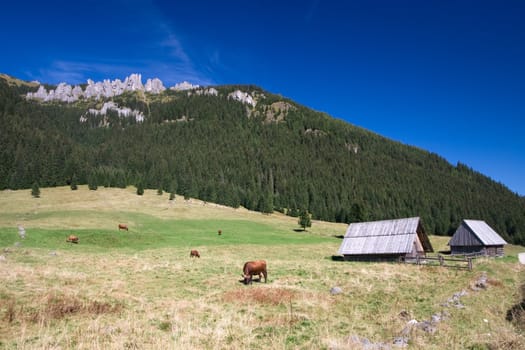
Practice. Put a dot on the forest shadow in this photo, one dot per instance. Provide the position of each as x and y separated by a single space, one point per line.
516 314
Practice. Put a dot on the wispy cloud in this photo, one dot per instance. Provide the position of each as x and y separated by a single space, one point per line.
176 51
153 48
182 61
76 72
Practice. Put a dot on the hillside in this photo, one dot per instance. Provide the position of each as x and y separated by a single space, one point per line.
239 146
140 289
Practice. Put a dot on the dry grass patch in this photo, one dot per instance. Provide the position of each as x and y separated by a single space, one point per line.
55 306
494 282
505 340
271 296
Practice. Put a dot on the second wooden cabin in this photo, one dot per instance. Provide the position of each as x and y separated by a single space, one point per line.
475 237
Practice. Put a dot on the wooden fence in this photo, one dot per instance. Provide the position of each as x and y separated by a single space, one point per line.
458 263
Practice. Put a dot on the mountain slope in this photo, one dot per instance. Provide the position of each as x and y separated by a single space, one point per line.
240 145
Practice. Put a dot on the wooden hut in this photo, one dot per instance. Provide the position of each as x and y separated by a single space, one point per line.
385 240
478 238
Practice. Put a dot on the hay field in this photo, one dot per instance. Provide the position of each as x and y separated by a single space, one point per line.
141 290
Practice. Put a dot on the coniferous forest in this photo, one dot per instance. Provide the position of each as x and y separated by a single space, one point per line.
276 156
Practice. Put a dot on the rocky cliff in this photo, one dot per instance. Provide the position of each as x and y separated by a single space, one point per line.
107 88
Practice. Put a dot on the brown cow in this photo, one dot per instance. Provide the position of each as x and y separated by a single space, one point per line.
72 239
252 268
194 254
122 227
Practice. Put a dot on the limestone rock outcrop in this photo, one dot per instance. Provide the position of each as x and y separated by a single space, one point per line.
243 97
154 86
107 88
112 106
206 92
184 86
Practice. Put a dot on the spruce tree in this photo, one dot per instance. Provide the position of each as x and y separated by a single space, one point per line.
35 190
266 204
173 186
140 188
73 185
305 220
357 213
92 183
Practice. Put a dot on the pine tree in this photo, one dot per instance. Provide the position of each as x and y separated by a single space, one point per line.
140 188
305 220
173 186
266 204
235 200
35 190
357 213
73 185
92 183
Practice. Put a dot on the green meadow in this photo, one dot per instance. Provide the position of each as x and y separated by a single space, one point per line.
152 233
139 289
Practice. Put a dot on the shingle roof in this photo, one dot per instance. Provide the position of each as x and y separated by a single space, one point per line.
381 237
383 227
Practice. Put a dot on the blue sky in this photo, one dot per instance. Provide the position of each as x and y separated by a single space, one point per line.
445 76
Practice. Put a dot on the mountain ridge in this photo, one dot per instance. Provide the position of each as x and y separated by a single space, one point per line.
264 152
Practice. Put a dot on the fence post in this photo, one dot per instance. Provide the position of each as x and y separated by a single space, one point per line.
469 263
417 259
441 260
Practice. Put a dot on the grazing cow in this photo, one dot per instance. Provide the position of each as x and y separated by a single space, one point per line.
252 268
72 239
122 227
194 254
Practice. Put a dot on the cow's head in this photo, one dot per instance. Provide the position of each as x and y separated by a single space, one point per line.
247 279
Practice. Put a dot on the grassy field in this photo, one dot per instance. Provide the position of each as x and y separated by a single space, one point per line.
141 290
